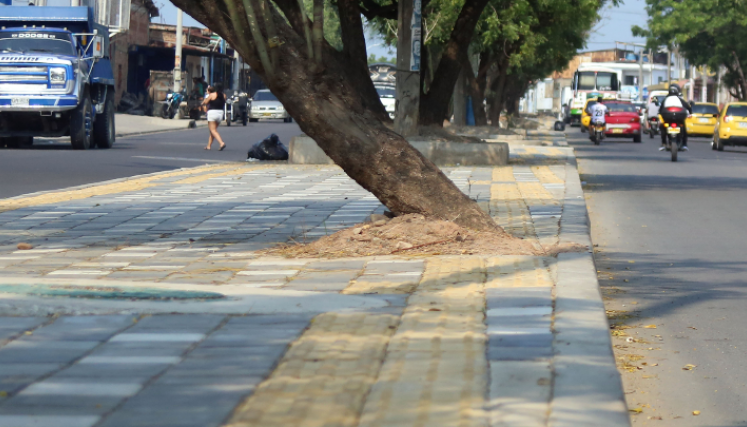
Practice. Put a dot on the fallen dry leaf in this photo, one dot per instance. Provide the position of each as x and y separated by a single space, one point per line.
654 364
25 246
696 413
636 410
690 327
650 326
688 367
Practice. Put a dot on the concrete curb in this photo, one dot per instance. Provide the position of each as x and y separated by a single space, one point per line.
304 150
150 132
588 389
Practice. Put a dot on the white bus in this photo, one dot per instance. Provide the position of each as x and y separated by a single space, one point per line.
592 81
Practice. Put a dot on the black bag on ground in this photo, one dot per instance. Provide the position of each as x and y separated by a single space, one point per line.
269 148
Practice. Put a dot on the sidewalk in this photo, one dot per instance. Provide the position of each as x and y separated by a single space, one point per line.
128 125
144 303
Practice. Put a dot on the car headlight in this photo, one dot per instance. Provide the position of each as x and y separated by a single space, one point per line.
57 75
281 108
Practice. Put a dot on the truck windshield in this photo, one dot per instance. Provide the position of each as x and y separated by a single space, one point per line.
36 42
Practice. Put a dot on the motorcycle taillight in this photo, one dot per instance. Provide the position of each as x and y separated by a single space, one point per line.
674 109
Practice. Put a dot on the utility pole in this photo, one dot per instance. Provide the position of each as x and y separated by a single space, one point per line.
704 85
640 75
178 51
408 68
669 66
691 90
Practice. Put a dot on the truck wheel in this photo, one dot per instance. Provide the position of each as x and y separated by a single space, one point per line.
103 127
81 125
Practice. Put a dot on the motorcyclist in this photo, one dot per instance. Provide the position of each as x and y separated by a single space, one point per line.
674 99
598 113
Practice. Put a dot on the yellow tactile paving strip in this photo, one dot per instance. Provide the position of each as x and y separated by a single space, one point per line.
518 271
135 184
427 369
509 210
535 194
324 377
545 175
435 372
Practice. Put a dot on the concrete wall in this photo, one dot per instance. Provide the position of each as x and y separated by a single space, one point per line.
120 44
304 150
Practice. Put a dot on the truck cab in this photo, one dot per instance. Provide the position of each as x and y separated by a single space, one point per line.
55 77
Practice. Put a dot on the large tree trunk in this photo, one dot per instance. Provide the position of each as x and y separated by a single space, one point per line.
329 108
434 105
476 86
498 100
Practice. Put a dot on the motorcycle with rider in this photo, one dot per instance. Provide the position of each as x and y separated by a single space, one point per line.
598 123
673 112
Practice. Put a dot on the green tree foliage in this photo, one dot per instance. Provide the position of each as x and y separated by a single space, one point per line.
373 59
520 41
706 32
332 32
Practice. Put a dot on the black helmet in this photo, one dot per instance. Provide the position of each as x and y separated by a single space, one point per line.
674 89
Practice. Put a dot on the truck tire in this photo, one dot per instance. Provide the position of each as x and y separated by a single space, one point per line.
81 126
103 127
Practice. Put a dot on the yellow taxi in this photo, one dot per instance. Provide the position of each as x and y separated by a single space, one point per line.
731 127
703 120
585 116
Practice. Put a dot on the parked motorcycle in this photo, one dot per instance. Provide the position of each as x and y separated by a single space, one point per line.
171 105
596 131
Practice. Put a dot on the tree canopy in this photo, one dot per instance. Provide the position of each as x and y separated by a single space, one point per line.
706 32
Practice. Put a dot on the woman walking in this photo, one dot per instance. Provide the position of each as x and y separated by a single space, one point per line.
215 101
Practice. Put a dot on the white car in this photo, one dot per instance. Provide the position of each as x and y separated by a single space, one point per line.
266 106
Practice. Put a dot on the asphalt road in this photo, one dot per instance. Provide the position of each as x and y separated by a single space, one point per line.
671 253
53 164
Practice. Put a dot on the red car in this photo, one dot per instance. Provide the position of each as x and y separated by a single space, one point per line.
623 120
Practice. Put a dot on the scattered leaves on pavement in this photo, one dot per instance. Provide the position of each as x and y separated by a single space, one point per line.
650 326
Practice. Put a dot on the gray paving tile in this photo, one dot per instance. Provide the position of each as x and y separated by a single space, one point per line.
518 297
332 281
519 353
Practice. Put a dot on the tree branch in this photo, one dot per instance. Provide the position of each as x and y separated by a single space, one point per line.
351 26
259 40
317 32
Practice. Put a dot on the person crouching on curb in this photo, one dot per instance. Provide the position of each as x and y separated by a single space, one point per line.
215 102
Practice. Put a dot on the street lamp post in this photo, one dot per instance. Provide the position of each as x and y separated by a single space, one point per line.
178 51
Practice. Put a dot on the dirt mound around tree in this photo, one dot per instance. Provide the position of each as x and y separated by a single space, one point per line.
414 235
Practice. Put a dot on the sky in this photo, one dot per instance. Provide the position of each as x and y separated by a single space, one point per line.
614 26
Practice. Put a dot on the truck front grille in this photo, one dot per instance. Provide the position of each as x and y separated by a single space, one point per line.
20 74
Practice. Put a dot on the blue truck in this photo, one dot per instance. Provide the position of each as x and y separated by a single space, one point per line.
56 78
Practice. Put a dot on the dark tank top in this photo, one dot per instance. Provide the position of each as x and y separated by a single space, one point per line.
218 103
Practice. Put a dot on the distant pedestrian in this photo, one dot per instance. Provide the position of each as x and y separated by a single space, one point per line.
215 102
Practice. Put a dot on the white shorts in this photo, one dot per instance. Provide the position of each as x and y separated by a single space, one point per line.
215 115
